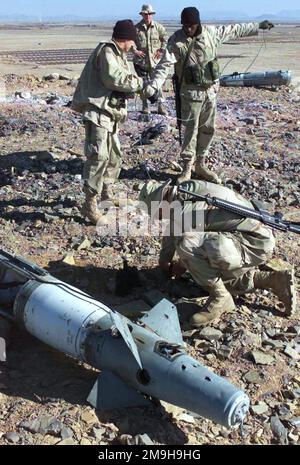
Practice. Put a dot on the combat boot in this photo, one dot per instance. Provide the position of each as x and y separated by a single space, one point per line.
161 110
90 209
204 173
219 301
186 172
282 284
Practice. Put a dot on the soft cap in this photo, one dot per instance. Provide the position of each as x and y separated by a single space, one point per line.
190 16
124 30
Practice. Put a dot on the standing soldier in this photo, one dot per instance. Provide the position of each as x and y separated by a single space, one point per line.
101 96
193 50
222 250
151 41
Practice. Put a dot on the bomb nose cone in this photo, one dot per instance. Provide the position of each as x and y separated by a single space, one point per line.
238 410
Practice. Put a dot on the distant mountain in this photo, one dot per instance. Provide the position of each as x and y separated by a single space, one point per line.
268 16
285 15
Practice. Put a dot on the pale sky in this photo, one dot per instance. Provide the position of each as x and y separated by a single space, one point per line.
131 8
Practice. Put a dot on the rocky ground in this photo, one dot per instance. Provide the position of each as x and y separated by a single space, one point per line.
256 150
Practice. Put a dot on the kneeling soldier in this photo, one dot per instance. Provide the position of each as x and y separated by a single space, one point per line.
224 257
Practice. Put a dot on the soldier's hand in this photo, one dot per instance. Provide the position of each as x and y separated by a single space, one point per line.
177 269
139 53
266 25
172 268
164 266
158 54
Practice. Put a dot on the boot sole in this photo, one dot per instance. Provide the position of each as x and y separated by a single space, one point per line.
290 284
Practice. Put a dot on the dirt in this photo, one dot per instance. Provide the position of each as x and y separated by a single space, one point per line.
256 151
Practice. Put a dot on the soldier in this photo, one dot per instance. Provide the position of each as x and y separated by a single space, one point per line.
151 41
224 255
101 97
193 49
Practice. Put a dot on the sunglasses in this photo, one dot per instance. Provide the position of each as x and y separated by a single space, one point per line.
147 14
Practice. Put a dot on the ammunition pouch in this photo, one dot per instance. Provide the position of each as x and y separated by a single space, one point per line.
202 76
118 99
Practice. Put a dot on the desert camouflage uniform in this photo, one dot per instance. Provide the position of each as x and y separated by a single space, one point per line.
149 40
198 104
229 248
106 71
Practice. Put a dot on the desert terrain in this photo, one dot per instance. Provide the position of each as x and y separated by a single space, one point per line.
256 150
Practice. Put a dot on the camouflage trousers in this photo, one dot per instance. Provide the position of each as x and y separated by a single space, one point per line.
209 256
103 156
198 119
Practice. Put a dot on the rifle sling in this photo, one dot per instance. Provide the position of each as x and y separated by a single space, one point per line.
186 59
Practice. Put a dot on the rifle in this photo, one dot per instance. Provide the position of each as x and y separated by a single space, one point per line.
176 87
276 221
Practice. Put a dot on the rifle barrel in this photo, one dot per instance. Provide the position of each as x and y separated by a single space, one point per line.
263 216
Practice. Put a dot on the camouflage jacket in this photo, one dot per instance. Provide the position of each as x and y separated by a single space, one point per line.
205 50
106 71
250 233
149 40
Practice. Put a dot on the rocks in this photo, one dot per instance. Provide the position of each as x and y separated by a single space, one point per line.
12 437
261 358
140 440
84 245
254 377
211 334
40 185
259 409
224 352
251 339
186 418
274 344
279 431
292 353
249 120
23 95
43 424
144 440
67 442
89 416
52 77
69 259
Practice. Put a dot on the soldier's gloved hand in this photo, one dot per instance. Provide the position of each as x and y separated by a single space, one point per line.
176 269
164 266
266 25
